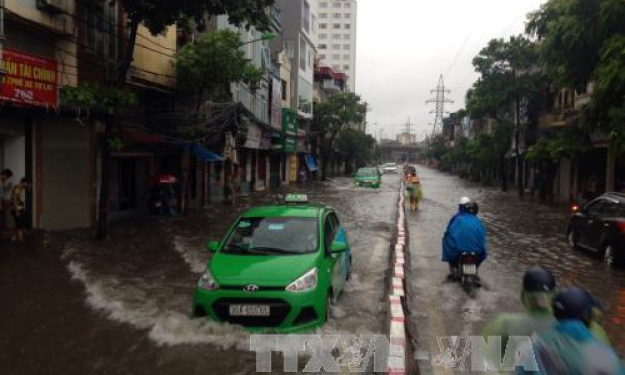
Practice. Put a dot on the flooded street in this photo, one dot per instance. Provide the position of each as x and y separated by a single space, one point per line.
520 234
75 306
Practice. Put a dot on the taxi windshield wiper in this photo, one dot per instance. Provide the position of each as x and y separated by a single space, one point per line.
269 250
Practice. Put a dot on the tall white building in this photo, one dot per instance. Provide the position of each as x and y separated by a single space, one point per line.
337 37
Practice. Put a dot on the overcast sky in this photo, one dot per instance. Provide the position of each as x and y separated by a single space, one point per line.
404 45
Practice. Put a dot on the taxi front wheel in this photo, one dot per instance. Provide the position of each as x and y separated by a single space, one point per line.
328 306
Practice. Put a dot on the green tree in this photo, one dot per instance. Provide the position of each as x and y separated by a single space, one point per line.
213 62
331 117
356 147
583 41
508 77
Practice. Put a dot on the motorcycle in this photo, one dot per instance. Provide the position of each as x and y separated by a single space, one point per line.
466 272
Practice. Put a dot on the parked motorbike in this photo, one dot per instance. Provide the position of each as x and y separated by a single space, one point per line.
466 272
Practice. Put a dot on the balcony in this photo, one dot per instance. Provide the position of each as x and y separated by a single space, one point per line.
557 119
275 17
330 85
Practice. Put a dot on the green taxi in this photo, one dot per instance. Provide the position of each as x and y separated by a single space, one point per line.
368 177
278 268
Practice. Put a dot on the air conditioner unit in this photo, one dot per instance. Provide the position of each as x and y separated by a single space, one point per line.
51 6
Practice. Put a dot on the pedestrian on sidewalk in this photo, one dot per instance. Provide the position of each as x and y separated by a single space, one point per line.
18 209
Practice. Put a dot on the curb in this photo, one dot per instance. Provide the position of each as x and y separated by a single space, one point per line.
397 356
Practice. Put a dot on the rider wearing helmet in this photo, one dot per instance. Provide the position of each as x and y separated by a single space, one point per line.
569 347
536 295
465 233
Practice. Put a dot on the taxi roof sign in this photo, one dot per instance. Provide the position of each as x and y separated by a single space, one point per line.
296 198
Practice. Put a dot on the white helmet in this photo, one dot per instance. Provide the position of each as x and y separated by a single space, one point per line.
464 200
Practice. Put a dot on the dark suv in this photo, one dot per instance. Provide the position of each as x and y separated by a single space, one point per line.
600 227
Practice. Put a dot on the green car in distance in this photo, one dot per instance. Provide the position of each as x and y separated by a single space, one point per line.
278 268
368 177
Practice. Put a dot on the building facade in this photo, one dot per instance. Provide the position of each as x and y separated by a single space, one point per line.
337 37
48 46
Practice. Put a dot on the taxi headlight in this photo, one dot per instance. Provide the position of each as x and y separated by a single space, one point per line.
207 282
305 283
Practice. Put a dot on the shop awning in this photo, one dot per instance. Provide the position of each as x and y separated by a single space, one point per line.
311 162
202 153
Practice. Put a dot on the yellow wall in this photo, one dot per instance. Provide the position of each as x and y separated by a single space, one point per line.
154 56
285 74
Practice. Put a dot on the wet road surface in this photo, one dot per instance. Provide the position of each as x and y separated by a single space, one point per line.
520 234
75 306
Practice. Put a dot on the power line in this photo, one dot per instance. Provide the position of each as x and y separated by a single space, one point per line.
86 47
113 34
112 24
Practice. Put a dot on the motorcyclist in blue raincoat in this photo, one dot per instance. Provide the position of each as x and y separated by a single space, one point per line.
570 348
465 233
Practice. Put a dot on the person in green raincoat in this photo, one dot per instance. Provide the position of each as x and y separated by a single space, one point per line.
570 347
413 191
539 287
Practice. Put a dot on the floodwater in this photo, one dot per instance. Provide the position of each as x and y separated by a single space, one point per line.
520 234
76 306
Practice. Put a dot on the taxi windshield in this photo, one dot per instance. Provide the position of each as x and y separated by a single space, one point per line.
368 172
274 236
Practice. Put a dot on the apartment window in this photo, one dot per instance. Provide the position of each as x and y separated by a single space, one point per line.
348 26
347 5
336 25
336 16
323 36
347 15
323 5
347 37
336 5
346 67
302 53
314 22
347 46
323 46
336 46
323 15
323 26
311 58
336 57
346 57
100 28
336 36
322 56
306 16
336 67
284 89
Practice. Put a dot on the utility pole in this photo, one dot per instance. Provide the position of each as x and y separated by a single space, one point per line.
440 101
408 131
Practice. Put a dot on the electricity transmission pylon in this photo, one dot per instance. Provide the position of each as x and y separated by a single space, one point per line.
440 101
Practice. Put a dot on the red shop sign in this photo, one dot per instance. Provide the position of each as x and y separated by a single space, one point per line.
28 80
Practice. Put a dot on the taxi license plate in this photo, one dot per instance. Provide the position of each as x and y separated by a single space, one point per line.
249 310
469 269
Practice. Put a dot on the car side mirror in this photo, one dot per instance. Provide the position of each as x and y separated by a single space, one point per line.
338 247
212 246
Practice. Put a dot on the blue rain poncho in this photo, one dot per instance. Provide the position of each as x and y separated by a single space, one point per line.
465 233
571 349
